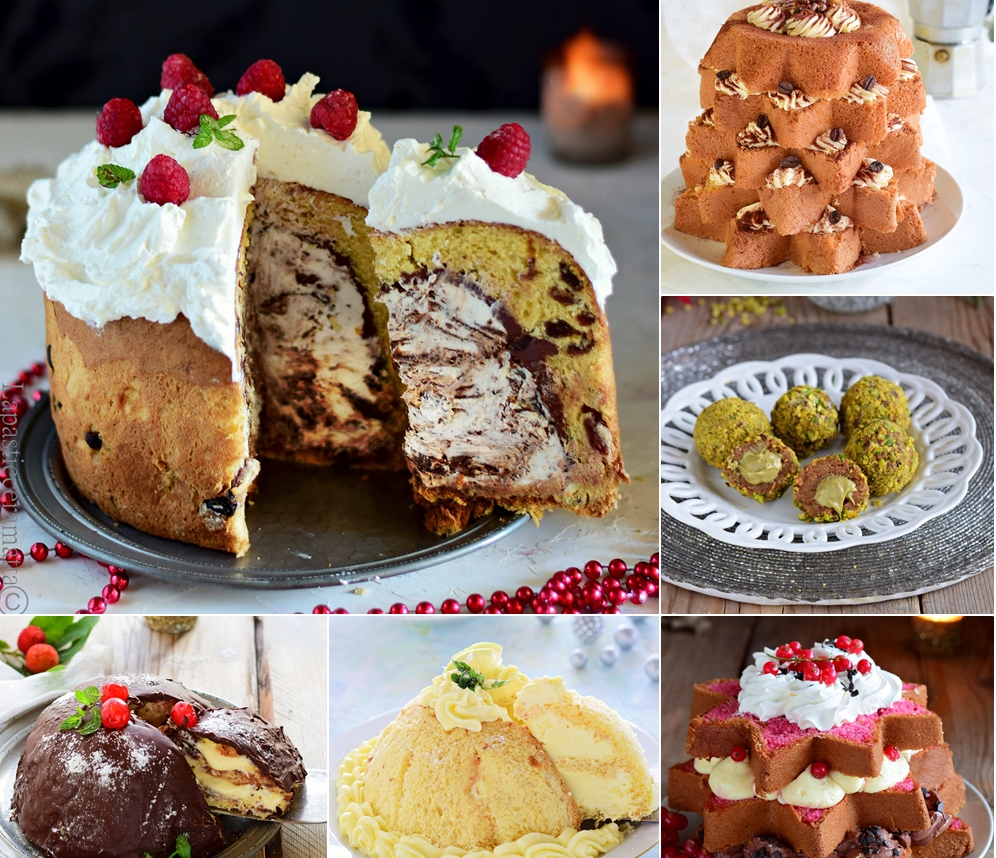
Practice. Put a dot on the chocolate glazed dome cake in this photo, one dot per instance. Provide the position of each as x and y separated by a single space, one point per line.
495 288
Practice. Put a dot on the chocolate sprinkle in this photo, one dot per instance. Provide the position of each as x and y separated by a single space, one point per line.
48 351
787 87
869 83
762 120
876 166
790 161
837 134
724 74
93 440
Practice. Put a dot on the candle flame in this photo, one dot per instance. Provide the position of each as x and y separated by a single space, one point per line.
941 618
594 71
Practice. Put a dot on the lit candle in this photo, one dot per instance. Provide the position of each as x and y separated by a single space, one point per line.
937 634
587 100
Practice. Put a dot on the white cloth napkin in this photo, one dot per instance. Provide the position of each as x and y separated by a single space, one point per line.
20 693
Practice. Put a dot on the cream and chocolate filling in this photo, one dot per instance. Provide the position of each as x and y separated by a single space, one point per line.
475 388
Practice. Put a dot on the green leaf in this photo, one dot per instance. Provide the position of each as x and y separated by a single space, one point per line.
93 724
55 627
75 638
212 129
229 140
466 677
73 721
112 175
455 137
92 694
437 150
203 138
225 120
182 846
498 683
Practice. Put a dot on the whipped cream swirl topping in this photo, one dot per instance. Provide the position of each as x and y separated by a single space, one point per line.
866 91
811 19
788 97
908 69
706 119
830 142
720 174
791 174
813 704
893 123
730 83
831 222
412 195
873 175
467 708
290 150
757 135
754 218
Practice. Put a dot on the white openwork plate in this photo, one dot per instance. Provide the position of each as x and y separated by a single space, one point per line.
695 493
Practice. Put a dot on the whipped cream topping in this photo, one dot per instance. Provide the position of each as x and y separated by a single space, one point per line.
908 69
832 221
805 18
788 177
731 780
729 83
720 174
830 142
865 92
756 136
893 123
468 708
105 253
873 175
794 100
290 150
813 705
706 118
754 218
410 195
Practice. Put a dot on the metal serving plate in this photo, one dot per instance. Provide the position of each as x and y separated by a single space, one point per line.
308 526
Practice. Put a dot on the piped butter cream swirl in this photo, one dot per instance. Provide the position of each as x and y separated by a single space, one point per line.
768 17
795 100
754 218
788 177
366 831
858 94
827 144
870 177
721 176
813 705
731 84
831 222
811 19
908 69
755 136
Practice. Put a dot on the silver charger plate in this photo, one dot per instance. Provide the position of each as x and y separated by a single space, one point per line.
940 553
308 526
242 836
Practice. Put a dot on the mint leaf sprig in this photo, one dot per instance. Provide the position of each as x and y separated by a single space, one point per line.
214 129
467 677
437 150
84 720
112 175
182 848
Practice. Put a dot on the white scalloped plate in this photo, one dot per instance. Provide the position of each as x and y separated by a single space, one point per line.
696 494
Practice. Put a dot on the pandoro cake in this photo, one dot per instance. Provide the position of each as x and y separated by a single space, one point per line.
817 752
489 761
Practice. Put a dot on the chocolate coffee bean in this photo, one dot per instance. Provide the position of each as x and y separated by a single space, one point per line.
876 166
869 83
835 216
724 74
762 120
719 164
837 134
786 87
790 161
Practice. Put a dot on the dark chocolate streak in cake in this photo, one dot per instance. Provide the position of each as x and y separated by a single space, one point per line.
265 744
939 820
113 794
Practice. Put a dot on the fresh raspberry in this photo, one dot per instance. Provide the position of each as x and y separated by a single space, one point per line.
118 121
114 713
180 69
506 151
336 113
263 76
185 107
183 714
41 657
164 181
30 636
113 689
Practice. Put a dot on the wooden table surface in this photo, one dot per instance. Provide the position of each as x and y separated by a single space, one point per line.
273 664
955 318
959 689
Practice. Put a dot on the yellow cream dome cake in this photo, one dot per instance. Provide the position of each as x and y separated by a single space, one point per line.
482 761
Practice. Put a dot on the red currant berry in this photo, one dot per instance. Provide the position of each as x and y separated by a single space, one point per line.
524 594
111 594
855 646
892 752
795 646
670 839
321 609
784 651
113 689
425 608
680 821
770 668
804 653
475 603
819 770
376 611
398 608
828 676
738 754
842 642
691 848
593 570
183 714
14 557
864 666
450 606
617 568
62 550
114 713
39 551
841 664
120 580
514 606
810 672
499 598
